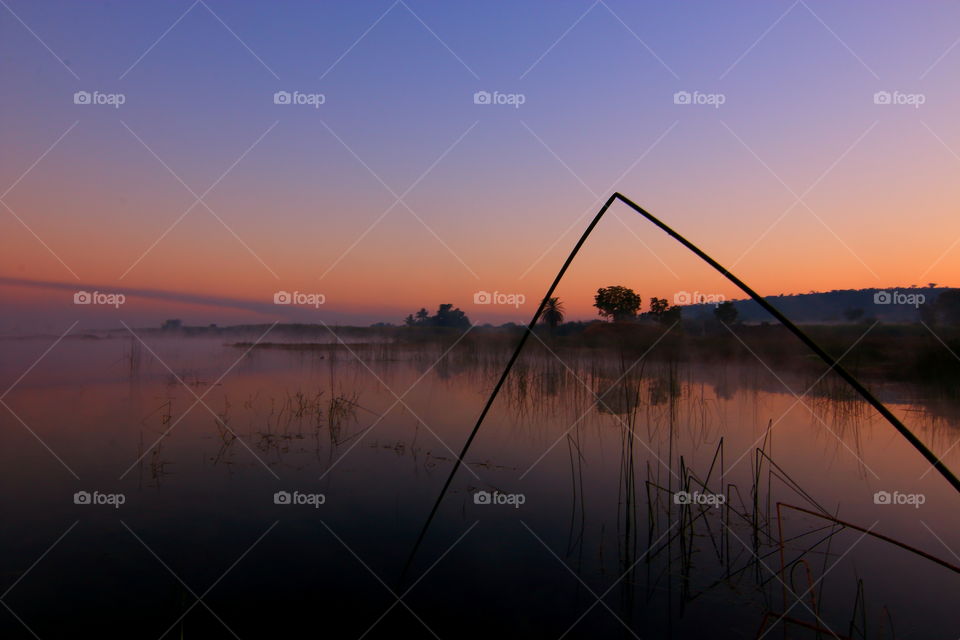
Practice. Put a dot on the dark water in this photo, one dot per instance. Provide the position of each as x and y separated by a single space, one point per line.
590 541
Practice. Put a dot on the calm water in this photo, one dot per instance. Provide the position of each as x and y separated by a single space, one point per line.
590 541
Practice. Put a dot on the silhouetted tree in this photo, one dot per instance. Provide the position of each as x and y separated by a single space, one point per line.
446 317
658 306
726 312
552 313
449 317
421 319
617 303
662 312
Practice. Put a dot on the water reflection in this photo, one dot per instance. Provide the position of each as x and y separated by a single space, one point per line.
658 494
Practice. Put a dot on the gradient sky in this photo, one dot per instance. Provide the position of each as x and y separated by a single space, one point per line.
493 197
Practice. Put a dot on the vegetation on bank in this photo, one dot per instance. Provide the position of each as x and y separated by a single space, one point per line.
926 349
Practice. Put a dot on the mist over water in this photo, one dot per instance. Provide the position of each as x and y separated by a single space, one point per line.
660 500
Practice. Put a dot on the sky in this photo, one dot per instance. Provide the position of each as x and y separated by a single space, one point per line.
805 145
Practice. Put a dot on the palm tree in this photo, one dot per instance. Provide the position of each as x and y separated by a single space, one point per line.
552 313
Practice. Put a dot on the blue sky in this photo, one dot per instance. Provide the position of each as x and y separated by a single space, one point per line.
798 159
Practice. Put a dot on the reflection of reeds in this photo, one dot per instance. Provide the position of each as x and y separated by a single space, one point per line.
752 519
660 402
157 466
867 531
273 424
227 437
857 626
289 415
653 409
134 356
341 411
578 514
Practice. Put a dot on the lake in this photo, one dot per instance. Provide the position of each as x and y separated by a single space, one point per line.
194 487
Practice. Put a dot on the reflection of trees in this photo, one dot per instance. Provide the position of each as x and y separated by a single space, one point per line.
663 388
619 398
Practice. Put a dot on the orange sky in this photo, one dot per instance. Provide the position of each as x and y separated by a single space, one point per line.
798 182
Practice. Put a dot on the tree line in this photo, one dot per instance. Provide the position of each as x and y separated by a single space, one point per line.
614 303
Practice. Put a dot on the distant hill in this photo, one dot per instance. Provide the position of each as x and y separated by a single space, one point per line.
896 304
